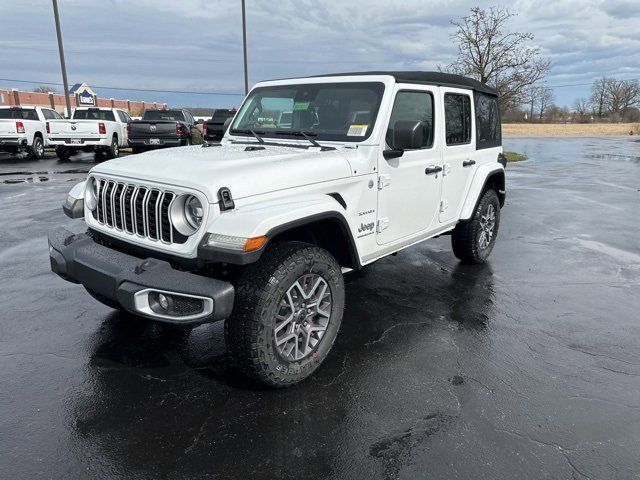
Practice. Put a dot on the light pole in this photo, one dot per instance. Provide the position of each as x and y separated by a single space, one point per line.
244 46
61 50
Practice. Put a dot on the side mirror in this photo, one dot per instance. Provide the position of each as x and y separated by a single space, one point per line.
407 135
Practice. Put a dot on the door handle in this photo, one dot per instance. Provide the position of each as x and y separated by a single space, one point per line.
468 163
430 170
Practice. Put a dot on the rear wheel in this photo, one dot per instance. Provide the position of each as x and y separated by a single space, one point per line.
113 150
472 240
36 151
63 153
287 314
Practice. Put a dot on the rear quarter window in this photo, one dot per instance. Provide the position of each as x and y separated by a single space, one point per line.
488 128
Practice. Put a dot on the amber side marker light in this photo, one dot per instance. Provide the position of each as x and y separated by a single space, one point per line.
254 243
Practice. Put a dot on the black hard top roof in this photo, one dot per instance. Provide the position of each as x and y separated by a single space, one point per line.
427 78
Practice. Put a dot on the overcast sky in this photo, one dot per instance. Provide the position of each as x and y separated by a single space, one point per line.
196 45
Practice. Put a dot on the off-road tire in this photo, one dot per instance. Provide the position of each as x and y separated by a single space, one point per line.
113 151
63 154
465 238
104 300
36 151
249 332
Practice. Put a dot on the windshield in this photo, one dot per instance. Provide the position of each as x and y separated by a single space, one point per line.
19 113
344 112
94 114
173 115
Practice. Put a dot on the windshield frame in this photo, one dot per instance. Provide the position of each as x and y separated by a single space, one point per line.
376 85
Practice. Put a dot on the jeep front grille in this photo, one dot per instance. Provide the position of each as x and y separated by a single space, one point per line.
137 210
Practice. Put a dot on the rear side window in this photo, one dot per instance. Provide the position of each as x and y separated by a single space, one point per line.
414 107
94 114
457 112
19 113
488 129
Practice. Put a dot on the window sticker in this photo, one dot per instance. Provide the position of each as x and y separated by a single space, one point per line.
357 130
301 105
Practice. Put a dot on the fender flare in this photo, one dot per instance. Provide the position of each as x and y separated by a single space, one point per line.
484 173
272 219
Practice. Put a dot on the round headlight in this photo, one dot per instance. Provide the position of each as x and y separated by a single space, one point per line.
193 211
91 194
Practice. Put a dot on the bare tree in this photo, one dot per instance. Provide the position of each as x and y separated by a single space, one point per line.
44 89
490 53
545 100
622 94
600 96
582 107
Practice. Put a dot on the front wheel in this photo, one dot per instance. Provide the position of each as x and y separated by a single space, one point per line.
472 240
287 314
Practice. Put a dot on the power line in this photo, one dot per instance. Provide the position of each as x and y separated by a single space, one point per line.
152 90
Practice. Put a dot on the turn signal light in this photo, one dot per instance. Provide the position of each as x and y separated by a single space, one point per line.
178 128
102 129
19 127
254 243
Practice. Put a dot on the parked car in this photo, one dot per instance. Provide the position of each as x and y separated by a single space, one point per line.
24 128
213 129
258 229
99 130
163 128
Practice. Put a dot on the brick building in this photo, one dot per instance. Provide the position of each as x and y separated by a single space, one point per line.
80 95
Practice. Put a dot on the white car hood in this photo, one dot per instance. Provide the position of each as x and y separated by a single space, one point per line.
245 173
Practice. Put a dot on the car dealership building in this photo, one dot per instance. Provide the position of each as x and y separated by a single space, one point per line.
81 95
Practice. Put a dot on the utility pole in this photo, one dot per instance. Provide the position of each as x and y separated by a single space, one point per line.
61 50
244 46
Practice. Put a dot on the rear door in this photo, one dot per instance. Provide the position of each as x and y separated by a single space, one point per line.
459 152
409 186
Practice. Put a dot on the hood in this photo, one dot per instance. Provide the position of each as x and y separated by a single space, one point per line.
245 173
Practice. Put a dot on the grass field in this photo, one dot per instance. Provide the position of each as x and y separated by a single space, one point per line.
569 129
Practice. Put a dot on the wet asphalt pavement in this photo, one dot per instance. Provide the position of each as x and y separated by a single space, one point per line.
525 368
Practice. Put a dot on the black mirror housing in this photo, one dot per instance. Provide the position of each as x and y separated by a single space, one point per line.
407 135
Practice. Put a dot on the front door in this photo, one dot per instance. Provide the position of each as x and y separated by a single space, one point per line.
409 185
458 150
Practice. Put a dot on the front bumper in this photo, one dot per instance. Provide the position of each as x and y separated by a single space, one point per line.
133 281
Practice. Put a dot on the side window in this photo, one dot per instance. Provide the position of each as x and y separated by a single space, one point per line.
488 129
56 115
415 107
127 116
48 115
457 113
121 116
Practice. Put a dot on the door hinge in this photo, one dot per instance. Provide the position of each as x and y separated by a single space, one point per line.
444 204
383 223
383 181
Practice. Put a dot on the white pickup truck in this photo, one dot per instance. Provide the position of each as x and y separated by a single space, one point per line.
258 229
24 128
101 130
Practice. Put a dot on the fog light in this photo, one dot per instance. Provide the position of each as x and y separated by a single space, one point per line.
163 301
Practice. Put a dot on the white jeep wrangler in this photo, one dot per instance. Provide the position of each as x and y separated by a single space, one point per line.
259 229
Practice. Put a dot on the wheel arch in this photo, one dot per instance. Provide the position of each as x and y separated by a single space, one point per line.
492 176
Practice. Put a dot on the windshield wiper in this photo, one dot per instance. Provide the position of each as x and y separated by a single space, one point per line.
306 135
255 133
